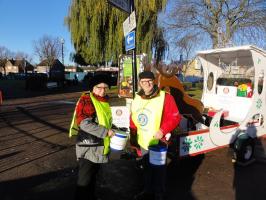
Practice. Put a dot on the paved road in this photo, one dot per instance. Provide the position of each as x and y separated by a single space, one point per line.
37 161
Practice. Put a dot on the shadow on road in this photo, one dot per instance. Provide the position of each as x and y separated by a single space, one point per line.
181 175
54 185
249 181
118 180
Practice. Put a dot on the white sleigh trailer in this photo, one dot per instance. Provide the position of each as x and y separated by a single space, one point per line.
233 93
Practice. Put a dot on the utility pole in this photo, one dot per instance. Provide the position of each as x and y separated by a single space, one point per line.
134 62
62 51
130 35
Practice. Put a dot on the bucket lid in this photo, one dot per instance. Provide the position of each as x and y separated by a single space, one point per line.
158 148
120 135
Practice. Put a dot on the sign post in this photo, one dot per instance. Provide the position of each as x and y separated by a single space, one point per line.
130 37
134 64
123 5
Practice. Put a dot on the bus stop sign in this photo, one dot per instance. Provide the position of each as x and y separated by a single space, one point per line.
130 41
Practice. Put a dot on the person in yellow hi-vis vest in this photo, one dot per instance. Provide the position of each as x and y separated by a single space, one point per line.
91 123
154 114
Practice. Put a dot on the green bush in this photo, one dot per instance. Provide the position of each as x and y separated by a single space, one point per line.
199 85
187 85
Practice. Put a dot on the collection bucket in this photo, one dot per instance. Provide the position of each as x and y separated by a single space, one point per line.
119 141
157 155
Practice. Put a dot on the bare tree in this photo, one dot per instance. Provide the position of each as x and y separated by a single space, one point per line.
218 22
22 55
5 53
186 45
47 48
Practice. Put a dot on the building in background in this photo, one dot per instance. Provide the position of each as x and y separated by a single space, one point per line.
8 66
55 72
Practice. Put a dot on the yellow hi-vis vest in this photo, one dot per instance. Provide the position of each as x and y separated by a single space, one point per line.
104 115
146 115
74 128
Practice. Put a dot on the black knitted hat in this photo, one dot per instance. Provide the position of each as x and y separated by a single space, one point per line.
97 79
146 74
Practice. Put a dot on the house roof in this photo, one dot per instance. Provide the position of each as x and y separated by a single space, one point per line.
45 62
21 63
18 62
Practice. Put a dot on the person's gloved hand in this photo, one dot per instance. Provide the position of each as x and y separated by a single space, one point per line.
136 151
158 135
165 140
110 133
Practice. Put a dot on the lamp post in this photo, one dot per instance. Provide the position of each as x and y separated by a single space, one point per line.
134 60
62 42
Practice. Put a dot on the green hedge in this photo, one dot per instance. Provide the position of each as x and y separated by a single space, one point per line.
187 85
199 85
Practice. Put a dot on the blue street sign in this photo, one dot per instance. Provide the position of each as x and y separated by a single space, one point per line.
130 41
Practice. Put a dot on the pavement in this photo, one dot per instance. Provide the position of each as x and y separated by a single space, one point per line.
37 160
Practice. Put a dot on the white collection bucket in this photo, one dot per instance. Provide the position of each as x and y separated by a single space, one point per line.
157 154
119 141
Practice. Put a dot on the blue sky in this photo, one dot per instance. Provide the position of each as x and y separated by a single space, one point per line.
25 21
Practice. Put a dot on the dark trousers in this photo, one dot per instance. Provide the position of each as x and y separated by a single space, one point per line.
154 177
87 173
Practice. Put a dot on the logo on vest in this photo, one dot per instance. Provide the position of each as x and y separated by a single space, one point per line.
142 119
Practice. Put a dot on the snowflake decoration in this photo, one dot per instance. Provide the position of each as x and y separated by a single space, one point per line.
259 104
216 124
186 144
198 142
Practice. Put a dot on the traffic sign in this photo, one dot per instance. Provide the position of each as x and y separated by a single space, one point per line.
130 23
130 41
121 4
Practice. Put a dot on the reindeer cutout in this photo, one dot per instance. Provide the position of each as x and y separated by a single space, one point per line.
189 107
